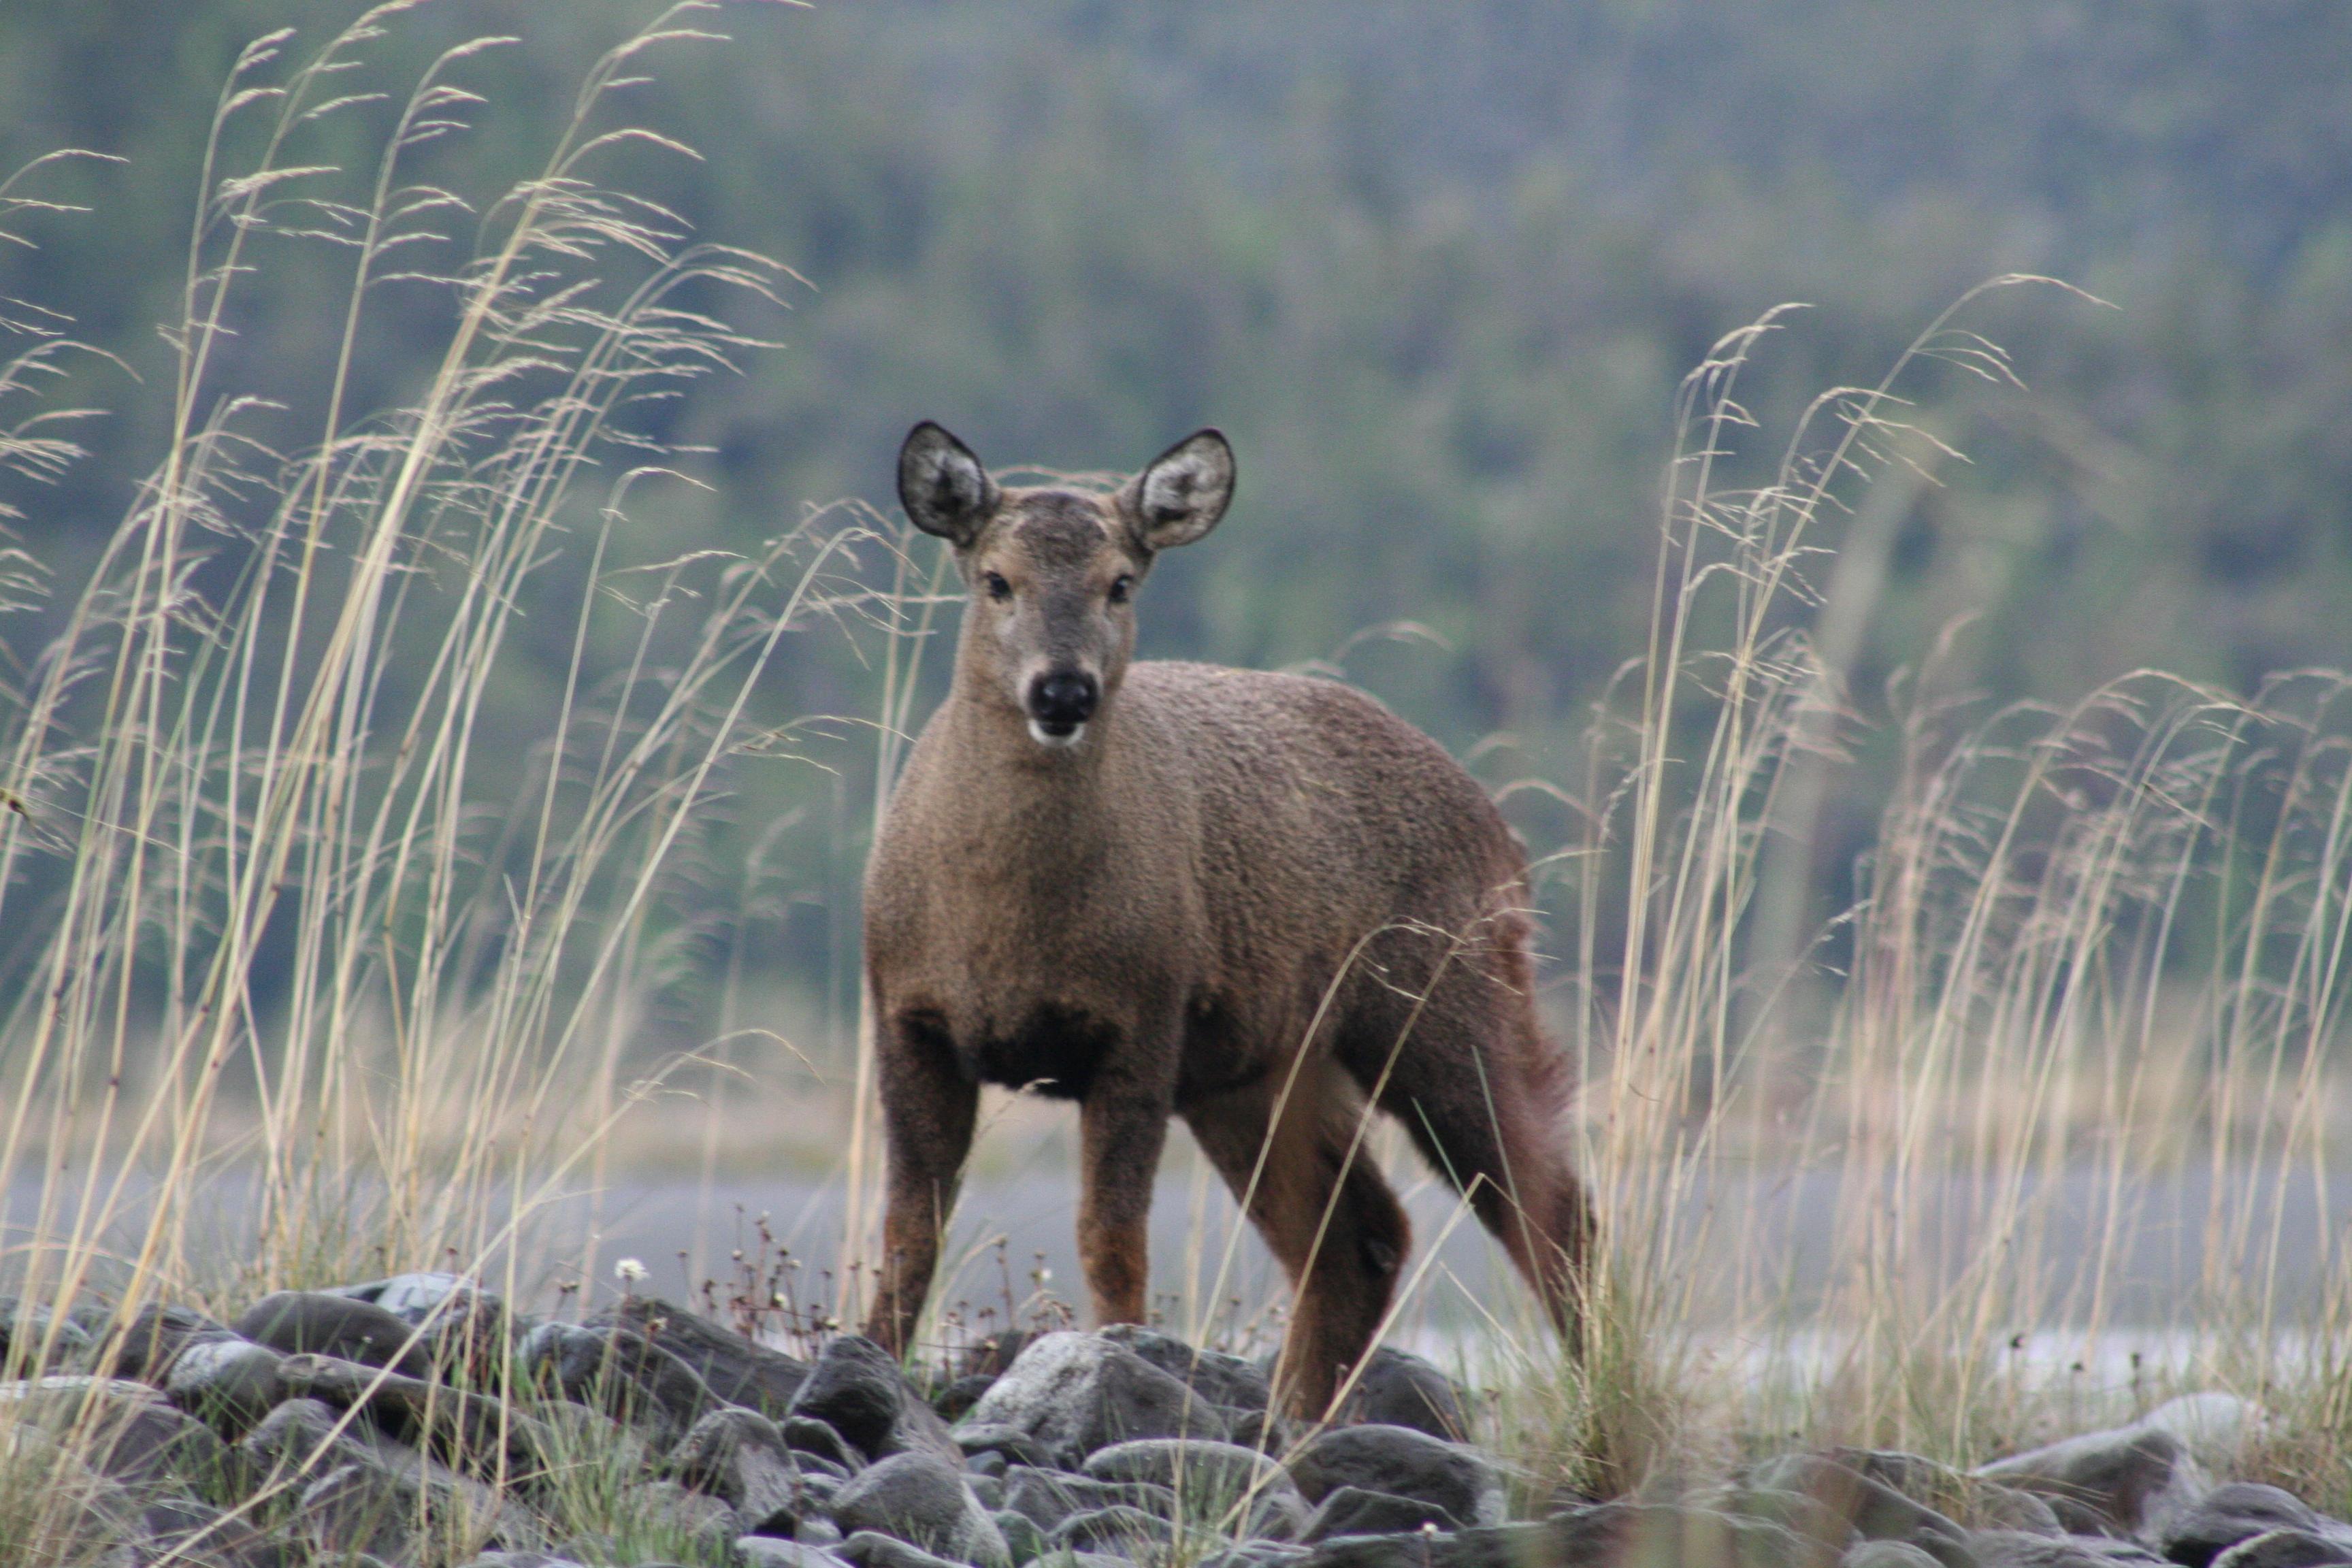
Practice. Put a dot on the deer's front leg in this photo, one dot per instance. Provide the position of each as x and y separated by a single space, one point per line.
927 1110
1120 1131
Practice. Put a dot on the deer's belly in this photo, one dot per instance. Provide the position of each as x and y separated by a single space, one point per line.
1050 1047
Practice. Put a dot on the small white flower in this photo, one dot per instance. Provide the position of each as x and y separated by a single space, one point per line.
629 1270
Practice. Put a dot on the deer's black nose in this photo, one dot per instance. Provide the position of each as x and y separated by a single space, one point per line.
1062 699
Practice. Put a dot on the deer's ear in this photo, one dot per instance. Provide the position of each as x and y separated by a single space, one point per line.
1182 493
942 486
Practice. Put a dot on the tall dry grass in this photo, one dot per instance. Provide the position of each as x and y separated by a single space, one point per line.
269 728
2096 960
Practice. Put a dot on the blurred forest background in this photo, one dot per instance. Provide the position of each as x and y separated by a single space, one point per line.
1436 266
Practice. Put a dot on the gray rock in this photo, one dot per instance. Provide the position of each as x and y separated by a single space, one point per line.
1401 1460
987 1462
2137 1480
312 1321
471 1424
1024 1541
201 1536
286 1439
620 1371
1049 1497
1872 1508
145 1348
2288 1549
1410 1549
1223 1380
919 1498
856 1388
126 1431
767 1552
735 1369
1222 1470
1356 1511
2219 1429
1074 1392
228 1384
807 1435
975 1438
1396 1389
1259 1554
1665 1534
33 1340
411 1298
674 1510
962 1394
738 1456
872 1549
353 1509
2228 1514
1119 1530
1992 1507
2015 1549
1887 1554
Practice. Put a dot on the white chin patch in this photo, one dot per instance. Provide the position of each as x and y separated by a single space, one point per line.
1051 742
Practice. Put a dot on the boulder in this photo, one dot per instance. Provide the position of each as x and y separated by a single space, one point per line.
620 1371
919 1498
856 1388
1358 1511
1049 1497
1074 1393
1216 1470
2288 1549
1024 1541
1118 1531
738 1456
767 1552
1016 1446
2015 1549
735 1369
1869 1507
2228 1514
287 1438
33 1340
126 1431
2219 1429
145 1348
469 1426
1227 1381
2133 1479
1396 1389
185 1532
317 1322
354 1509
1887 1554
676 1510
872 1549
1405 1462
1629 1533
229 1384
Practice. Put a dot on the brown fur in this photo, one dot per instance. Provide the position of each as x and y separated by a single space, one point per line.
1149 920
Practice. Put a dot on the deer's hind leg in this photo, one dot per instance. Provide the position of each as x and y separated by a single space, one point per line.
1327 1217
1463 1062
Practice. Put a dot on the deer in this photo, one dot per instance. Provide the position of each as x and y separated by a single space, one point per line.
1260 902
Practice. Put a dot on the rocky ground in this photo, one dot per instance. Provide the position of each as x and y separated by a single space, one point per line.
348 1427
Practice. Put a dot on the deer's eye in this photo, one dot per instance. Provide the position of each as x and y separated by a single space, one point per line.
1120 588
998 588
